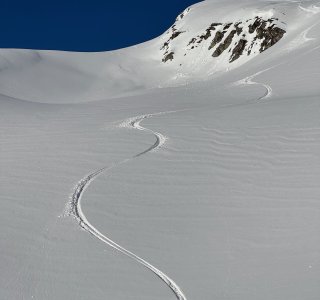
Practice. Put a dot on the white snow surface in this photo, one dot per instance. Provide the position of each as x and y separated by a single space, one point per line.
198 181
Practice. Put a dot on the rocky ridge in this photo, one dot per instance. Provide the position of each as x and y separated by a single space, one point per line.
232 39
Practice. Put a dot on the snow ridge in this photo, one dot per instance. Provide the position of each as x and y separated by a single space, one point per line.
233 39
74 208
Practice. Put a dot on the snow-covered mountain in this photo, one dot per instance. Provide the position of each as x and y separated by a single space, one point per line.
234 39
206 40
190 162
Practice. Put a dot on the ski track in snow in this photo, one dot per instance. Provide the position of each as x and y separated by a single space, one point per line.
74 208
302 39
299 41
249 81
314 9
268 93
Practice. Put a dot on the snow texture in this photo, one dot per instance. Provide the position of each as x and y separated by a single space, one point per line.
191 178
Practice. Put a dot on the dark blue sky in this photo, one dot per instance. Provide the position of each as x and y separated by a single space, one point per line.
84 25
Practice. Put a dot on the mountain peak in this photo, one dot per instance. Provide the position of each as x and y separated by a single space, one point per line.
223 40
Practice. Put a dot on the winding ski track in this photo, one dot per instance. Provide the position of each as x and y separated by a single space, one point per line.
74 208
249 81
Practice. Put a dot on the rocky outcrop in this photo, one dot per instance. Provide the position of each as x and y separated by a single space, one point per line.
238 50
217 39
225 44
166 46
270 36
168 56
196 41
266 32
233 39
207 34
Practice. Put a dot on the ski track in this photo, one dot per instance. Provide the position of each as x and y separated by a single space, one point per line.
74 208
249 81
314 9
301 40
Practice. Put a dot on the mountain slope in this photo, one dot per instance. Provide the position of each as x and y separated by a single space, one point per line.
206 40
203 171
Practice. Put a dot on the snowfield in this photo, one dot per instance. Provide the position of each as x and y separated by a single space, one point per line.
124 176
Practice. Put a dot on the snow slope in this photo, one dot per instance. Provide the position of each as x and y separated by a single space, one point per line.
203 171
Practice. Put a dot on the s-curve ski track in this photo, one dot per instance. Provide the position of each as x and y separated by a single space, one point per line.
74 206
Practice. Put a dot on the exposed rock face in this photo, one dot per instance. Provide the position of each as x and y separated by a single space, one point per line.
255 25
166 46
238 50
267 32
217 39
203 37
169 56
225 44
208 31
232 39
175 35
238 28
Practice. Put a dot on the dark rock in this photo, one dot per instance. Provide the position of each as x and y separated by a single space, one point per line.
227 26
255 25
165 46
175 35
169 56
217 39
214 25
238 50
238 28
206 35
225 45
192 41
271 36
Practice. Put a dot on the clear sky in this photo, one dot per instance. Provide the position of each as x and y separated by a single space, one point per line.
84 25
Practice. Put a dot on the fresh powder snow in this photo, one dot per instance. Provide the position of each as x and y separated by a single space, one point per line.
186 167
